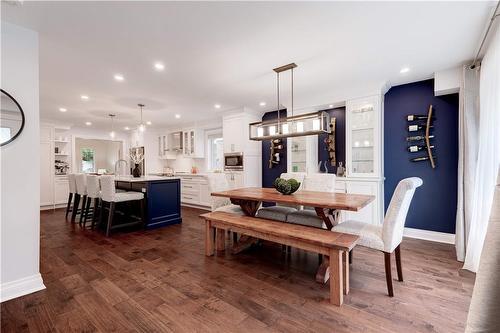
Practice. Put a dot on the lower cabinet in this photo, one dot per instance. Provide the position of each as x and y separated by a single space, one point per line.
235 179
61 190
195 191
373 212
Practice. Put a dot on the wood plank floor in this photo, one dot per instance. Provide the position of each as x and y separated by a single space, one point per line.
160 281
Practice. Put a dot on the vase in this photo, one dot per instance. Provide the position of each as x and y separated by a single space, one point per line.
136 172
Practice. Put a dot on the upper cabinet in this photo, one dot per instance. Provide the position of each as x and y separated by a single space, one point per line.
193 143
236 136
363 137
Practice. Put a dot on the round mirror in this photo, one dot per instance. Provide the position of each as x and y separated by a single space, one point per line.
11 118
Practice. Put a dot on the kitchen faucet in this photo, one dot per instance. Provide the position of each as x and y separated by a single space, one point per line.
117 163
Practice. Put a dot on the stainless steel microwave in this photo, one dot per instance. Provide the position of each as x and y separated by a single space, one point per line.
233 161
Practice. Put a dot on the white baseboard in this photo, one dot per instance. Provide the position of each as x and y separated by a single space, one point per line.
435 236
21 287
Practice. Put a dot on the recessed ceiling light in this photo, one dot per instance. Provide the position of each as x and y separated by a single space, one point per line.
404 70
148 123
126 128
330 106
63 109
217 106
88 123
177 116
159 66
119 77
262 103
84 97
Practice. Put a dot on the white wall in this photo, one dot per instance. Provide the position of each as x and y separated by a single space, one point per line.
106 153
20 175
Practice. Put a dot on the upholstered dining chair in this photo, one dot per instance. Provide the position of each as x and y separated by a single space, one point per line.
320 182
81 194
217 182
110 196
388 236
93 194
280 211
72 192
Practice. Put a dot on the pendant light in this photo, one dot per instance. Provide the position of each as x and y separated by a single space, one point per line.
301 125
112 133
141 127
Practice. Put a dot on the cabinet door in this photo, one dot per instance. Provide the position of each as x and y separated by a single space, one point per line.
46 174
230 179
238 180
191 143
185 143
205 198
61 190
368 214
160 147
363 141
232 131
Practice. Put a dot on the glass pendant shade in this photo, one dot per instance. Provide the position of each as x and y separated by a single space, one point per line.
300 125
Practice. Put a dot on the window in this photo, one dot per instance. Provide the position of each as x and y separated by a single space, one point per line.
215 151
5 134
88 160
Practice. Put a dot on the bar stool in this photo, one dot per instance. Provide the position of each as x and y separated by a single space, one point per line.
72 191
93 194
81 193
109 195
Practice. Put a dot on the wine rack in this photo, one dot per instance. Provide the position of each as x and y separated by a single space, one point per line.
276 148
330 143
419 134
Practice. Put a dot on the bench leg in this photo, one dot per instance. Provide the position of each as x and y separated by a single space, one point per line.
336 279
221 241
345 266
209 239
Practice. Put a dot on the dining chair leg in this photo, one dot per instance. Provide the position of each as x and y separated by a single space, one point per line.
398 263
95 212
143 213
82 211
75 207
110 217
388 273
87 210
68 206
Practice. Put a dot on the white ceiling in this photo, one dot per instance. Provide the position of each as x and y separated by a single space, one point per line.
224 53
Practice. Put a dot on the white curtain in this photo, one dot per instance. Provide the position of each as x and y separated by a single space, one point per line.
488 155
468 123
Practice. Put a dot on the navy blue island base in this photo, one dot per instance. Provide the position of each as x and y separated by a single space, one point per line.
162 195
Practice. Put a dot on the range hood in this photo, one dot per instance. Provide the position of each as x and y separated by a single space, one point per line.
176 141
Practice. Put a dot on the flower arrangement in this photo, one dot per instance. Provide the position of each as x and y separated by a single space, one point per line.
136 157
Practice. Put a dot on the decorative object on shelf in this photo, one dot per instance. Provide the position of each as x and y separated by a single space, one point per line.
61 167
330 143
112 133
276 148
324 169
307 124
421 142
286 186
136 156
141 126
56 150
194 170
340 170
11 117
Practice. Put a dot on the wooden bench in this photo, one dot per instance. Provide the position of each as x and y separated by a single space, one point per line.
333 244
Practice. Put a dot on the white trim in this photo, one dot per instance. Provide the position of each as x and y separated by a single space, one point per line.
435 236
21 287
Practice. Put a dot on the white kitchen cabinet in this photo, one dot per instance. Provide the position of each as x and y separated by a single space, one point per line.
165 151
364 137
205 197
233 131
61 190
195 191
235 179
193 143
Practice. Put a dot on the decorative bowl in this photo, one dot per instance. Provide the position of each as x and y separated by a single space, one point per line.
286 186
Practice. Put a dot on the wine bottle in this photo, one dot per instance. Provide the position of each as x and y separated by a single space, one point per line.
423 158
418 137
414 128
414 149
413 117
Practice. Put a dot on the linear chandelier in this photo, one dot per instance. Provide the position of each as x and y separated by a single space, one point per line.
301 125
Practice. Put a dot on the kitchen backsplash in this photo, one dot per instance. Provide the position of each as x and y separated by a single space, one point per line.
184 164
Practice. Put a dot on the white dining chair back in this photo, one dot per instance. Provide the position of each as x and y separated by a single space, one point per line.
395 217
321 182
108 190
217 182
81 183
93 187
72 183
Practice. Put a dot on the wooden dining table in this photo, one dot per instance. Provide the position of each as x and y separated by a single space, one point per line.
327 205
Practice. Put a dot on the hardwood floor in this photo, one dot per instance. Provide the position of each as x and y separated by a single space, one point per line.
161 281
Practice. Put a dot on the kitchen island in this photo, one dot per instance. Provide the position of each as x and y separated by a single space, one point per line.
162 195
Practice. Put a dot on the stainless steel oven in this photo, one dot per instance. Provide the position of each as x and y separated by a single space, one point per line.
233 161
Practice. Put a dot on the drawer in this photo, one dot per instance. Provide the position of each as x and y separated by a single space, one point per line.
123 185
192 188
340 187
190 198
138 187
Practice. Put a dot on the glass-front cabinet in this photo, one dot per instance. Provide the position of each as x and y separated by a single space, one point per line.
363 134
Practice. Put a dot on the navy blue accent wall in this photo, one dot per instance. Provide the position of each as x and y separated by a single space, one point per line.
434 204
269 175
339 114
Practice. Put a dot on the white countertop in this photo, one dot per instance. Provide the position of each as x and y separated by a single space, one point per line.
143 178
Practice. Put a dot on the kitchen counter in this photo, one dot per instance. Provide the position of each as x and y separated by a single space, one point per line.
162 195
